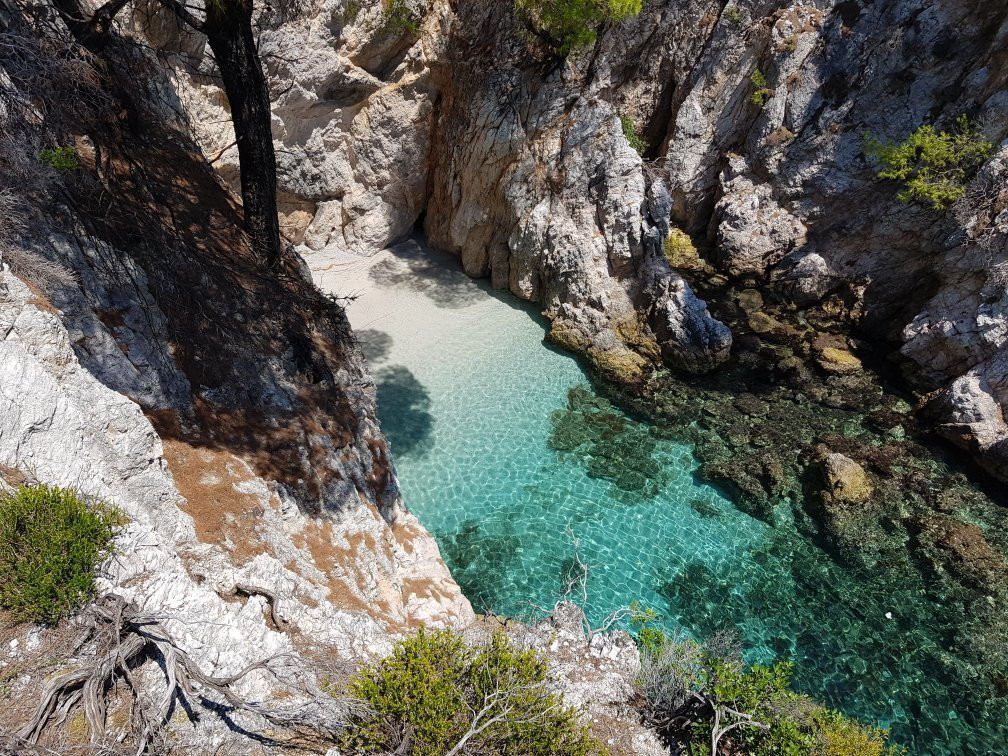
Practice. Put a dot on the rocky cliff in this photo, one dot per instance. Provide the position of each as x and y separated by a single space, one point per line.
518 163
147 360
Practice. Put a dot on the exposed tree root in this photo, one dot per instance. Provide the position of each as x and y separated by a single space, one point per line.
272 600
125 638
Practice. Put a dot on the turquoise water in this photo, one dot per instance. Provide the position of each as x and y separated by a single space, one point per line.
507 456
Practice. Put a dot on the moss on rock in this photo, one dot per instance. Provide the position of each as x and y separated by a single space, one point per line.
838 361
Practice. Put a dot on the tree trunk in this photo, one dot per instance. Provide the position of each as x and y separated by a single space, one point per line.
228 28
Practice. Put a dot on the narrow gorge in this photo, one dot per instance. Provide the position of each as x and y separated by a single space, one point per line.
665 345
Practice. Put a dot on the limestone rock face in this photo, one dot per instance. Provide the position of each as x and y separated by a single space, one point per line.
970 412
241 444
754 129
753 232
65 427
521 169
789 196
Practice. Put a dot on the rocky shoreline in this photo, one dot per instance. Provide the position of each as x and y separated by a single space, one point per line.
800 426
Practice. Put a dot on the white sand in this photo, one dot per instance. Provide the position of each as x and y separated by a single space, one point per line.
411 301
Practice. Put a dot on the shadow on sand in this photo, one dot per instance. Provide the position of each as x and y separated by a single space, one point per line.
434 274
404 404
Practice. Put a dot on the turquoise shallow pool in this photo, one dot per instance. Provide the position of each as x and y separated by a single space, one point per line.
506 455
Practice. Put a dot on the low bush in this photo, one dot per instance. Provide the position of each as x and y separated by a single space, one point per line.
733 14
632 137
684 682
398 17
51 542
445 697
62 159
762 91
931 164
566 25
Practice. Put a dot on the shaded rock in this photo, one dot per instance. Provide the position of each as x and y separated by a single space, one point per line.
838 361
750 300
770 327
805 278
964 550
690 339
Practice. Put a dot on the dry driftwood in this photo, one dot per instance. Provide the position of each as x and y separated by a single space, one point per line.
126 638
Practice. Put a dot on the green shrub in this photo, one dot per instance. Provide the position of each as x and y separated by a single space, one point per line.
762 92
651 640
566 25
671 667
733 14
398 18
51 542
632 137
433 683
931 164
63 159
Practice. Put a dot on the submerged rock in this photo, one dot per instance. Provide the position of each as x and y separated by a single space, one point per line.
963 549
846 481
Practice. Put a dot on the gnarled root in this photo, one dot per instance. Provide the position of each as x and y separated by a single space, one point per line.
125 638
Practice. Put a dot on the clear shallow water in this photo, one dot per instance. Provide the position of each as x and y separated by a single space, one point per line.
504 464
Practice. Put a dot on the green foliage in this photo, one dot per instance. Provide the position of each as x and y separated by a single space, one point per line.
51 542
398 18
796 725
630 132
931 164
733 14
63 159
433 682
651 640
566 25
350 12
762 92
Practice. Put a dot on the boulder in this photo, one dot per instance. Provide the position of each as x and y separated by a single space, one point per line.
846 481
838 361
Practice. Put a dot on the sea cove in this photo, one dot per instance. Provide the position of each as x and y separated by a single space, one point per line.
507 455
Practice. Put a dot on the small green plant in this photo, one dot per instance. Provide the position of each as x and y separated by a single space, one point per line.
762 92
398 18
350 12
453 698
632 137
733 14
62 159
931 164
567 25
51 542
